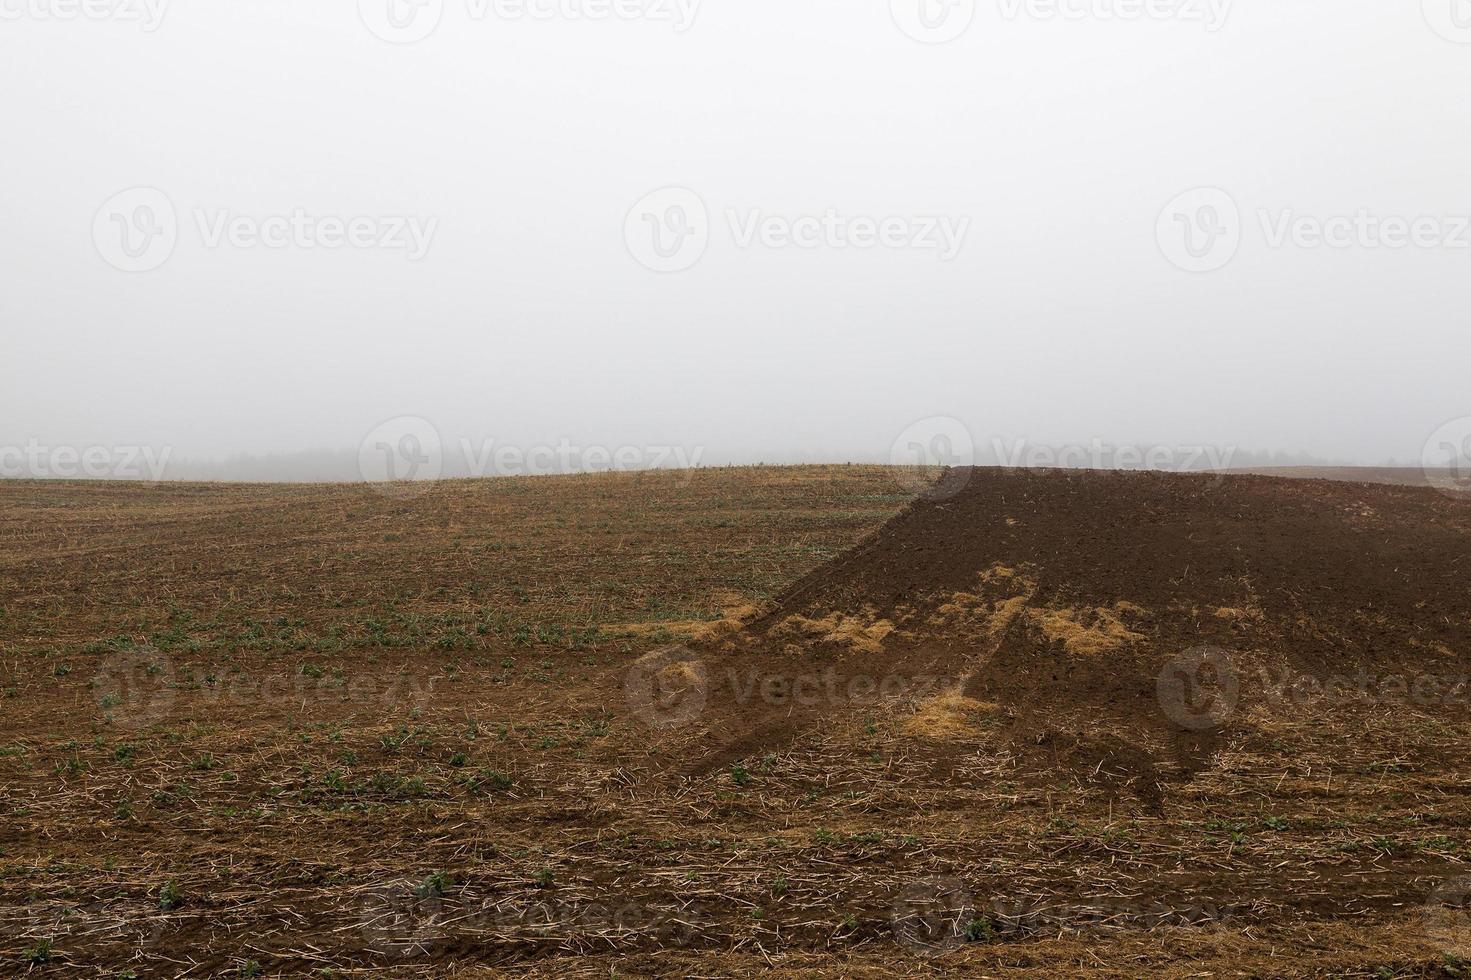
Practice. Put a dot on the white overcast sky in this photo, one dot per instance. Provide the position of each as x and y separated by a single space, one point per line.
530 320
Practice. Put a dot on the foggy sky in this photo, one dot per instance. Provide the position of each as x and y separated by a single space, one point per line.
524 143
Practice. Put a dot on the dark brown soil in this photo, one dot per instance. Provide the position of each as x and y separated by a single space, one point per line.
1321 578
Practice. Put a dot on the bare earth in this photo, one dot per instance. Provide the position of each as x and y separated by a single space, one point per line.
784 721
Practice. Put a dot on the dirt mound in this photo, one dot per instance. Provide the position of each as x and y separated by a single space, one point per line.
1078 603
